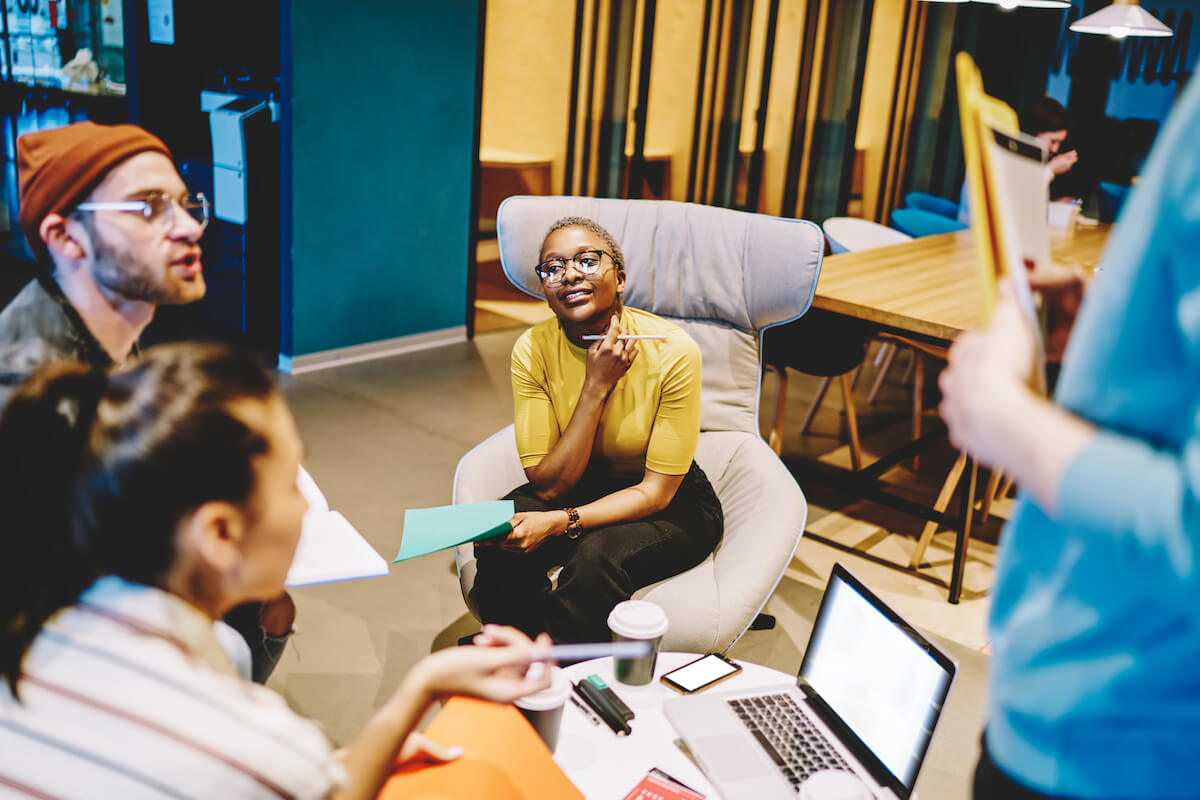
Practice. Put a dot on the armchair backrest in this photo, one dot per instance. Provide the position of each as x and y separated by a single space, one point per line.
722 275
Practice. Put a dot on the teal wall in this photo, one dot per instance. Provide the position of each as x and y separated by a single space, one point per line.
382 131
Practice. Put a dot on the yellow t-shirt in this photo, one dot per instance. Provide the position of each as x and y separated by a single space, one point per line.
652 418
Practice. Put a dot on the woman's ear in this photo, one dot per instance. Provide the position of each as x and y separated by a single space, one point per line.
620 281
212 536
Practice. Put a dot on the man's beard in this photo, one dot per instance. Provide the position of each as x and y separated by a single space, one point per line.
120 272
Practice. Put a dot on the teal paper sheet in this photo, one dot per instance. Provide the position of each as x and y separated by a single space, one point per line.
427 530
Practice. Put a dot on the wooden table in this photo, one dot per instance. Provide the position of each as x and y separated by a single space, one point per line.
927 289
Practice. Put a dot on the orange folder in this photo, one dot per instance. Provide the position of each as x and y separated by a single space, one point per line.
505 759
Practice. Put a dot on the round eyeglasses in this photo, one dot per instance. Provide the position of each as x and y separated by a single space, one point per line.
552 270
159 206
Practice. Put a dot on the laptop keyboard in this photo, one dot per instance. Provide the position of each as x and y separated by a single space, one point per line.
796 745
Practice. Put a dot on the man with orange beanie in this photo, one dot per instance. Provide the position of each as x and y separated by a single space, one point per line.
116 234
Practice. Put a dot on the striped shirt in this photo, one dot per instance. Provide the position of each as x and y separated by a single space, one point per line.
128 694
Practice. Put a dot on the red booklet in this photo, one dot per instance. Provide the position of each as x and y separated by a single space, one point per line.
658 785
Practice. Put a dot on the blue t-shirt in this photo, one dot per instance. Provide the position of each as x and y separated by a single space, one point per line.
1095 685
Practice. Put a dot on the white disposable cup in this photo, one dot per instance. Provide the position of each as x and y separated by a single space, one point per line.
637 621
834 784
544 709
1062 215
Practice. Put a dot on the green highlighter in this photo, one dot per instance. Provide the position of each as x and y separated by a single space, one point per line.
625 711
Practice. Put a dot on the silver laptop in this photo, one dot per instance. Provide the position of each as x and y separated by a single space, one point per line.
867 698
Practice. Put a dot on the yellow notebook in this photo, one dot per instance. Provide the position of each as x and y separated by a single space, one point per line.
504 759
1007 196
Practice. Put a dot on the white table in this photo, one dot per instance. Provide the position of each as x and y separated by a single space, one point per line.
606 766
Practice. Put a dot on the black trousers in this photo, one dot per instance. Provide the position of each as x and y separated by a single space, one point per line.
992 783
601 568
265 649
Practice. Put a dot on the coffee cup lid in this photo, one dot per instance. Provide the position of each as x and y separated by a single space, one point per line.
637 619
552 696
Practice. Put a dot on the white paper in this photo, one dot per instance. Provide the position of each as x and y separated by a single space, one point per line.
161 14
312 493
1019 184
332 550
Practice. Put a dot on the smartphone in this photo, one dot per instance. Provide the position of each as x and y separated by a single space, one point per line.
701 673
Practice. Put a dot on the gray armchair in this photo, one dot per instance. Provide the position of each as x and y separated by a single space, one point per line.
723 276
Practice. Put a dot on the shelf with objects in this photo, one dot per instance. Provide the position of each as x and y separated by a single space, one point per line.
60 62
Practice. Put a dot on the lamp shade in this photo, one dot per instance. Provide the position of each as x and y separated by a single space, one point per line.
1123 18
1029 3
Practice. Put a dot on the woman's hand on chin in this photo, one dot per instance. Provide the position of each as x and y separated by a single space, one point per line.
531 528
608 359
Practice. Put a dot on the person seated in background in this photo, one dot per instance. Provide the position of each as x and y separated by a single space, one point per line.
140 507
116 234
606 431
1094 690
1048 122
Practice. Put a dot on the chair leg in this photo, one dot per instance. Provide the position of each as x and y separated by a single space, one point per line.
1007 487
763 622
918 401
883 370
816 403
989 494
851 421
776 440
939 505
884 349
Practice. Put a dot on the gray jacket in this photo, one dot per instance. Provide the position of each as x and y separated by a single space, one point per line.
40 326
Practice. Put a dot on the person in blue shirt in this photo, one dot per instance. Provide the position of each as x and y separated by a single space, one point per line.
1095 621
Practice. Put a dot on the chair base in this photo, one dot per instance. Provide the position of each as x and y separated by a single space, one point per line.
763 622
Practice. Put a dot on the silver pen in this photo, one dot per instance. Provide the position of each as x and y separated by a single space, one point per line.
594 337
587 712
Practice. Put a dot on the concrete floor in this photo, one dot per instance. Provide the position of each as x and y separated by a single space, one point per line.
385 435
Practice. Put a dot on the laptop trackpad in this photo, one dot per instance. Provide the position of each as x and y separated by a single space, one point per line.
730 757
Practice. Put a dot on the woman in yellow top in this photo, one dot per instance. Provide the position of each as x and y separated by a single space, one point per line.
606 430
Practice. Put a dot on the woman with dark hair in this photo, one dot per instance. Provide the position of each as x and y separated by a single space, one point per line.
1047 121
139 508
606 430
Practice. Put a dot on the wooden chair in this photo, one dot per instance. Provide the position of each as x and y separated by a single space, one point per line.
824 344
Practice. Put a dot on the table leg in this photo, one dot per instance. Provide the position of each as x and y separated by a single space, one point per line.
967 510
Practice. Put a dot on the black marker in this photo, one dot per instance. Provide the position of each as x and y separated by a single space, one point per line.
617 703
596 701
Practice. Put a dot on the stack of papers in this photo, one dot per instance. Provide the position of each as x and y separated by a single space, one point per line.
330 548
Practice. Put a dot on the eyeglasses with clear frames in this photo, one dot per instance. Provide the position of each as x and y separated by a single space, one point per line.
552 270
158 206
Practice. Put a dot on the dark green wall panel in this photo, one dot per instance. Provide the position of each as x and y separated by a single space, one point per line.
382 133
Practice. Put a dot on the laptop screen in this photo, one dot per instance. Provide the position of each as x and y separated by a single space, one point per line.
885 681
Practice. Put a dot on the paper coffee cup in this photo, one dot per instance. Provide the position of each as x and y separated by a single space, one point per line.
834 784
544 709
639 621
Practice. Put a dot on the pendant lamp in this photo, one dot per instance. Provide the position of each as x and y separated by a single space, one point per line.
1123 18
1011 4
